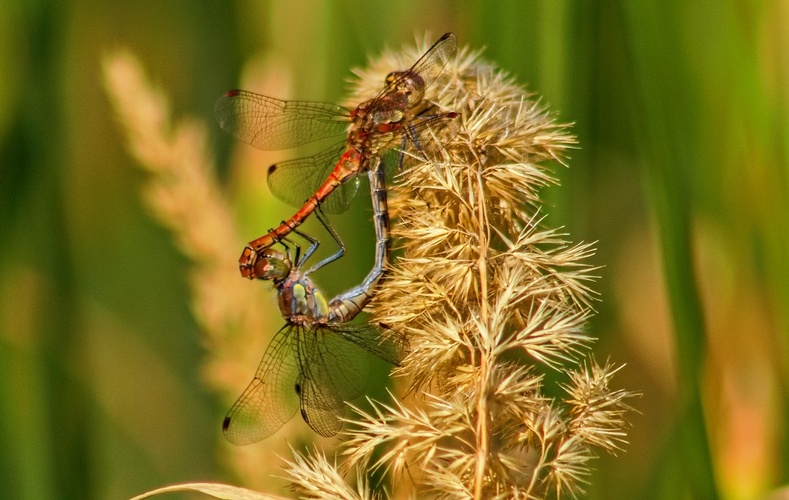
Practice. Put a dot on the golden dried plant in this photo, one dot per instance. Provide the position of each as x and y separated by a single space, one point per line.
182 192
491 300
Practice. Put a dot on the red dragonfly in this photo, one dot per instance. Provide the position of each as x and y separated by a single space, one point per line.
395 116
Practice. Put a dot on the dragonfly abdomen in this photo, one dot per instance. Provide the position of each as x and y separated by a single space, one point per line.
347 167
347 305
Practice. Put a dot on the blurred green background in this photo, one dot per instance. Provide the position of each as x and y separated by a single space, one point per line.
682 178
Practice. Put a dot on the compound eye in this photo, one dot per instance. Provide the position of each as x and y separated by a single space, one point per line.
272 265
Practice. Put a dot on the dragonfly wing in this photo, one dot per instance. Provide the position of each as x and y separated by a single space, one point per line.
271 399
432 62
342 197
333 371
391 160
269 124
429 134
325 421
427 67
424 139
294 181
378 340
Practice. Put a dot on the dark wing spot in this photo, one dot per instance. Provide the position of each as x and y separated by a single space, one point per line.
225 424
272 169
304 416
232 93
298 389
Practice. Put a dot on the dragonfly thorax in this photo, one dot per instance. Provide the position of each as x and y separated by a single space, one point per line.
301 302
378 123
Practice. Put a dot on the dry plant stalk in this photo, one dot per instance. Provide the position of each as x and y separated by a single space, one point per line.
490 300
182 192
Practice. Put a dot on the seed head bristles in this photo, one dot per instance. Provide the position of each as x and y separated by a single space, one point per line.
313 476
479 284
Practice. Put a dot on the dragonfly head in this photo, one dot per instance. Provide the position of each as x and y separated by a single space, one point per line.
272 265
406 82
267 264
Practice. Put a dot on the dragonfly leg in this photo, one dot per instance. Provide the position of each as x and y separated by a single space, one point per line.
414 138
401 155
287 244
340 245
314 243
429 113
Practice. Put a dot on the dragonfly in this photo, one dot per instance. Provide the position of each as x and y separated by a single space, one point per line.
317 361
396 116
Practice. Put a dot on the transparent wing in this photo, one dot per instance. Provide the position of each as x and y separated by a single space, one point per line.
294 181
268 123
325 421
429 134
333 371
392 160
424 138
427 68
271 399
378 340
432 62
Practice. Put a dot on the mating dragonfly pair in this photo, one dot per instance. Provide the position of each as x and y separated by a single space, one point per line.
317 361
